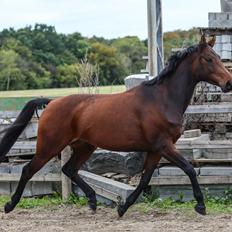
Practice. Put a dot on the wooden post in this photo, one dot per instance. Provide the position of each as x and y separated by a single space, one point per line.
152 37
155 37
65 181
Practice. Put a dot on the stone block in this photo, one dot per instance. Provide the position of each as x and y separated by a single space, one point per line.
134 80
192 133
107 188
173 171
226 47
4 186
226 55
185 193
216 171
103 161
222 19
41 188
217 153
226 5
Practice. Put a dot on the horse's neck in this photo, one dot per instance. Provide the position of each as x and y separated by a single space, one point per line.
179 90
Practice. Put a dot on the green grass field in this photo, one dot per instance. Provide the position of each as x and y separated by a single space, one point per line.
15 100
59 92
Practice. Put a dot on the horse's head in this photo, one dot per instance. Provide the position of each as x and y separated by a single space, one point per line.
208 66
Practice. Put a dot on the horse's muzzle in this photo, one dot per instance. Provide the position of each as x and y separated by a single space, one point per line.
227 87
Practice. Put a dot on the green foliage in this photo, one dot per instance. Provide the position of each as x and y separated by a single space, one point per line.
214 204
46 201
179 39
78 201
38 57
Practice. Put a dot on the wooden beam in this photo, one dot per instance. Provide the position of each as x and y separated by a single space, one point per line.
208 109
211 31
184 180
14 177
66 182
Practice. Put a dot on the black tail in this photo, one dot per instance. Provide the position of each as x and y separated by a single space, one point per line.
13 132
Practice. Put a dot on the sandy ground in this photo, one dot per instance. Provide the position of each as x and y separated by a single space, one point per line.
71 218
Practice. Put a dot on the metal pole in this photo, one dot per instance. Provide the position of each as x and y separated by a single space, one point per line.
152 37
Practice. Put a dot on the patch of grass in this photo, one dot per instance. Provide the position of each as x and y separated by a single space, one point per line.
46 201
214 204
59 92
15 100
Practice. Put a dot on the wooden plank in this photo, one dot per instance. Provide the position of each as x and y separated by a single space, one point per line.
11 177
211 31
66 182
208 145
212 160
20 154
184 180
209 109
24 145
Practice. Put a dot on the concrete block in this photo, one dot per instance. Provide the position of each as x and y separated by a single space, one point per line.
107 188
226 5
4 186
225 39
192 133
214 153
173 171
216 171
156 172
222 19
27 191
41 188
31 130
134 80
226 55
185 193
226 47
218 39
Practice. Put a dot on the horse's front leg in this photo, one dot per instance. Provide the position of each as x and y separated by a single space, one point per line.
172 155
150 164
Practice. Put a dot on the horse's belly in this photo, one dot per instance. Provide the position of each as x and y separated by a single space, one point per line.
115 138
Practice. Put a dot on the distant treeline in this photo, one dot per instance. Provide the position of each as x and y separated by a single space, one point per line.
39 57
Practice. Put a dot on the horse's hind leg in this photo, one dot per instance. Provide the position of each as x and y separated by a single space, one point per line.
150 165
81 152
174 157
28 171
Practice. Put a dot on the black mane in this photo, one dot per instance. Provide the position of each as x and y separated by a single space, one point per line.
172 64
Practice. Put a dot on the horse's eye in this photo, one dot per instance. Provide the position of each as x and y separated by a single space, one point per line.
208 59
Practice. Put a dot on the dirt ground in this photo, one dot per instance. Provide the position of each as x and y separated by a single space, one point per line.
71 218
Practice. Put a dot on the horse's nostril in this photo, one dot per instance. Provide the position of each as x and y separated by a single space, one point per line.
228 86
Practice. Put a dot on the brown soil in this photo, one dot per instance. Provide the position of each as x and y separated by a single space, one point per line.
71 218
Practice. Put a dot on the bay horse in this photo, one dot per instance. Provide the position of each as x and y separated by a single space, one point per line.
147 118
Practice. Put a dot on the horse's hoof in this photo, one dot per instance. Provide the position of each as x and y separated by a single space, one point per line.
93 206
200 209
8 207
120 210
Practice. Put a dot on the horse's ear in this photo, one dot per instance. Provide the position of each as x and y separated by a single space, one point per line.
203 40
212 41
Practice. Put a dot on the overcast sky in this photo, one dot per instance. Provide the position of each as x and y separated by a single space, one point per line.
107 18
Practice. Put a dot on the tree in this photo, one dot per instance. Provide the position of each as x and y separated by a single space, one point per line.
131 49
8 67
